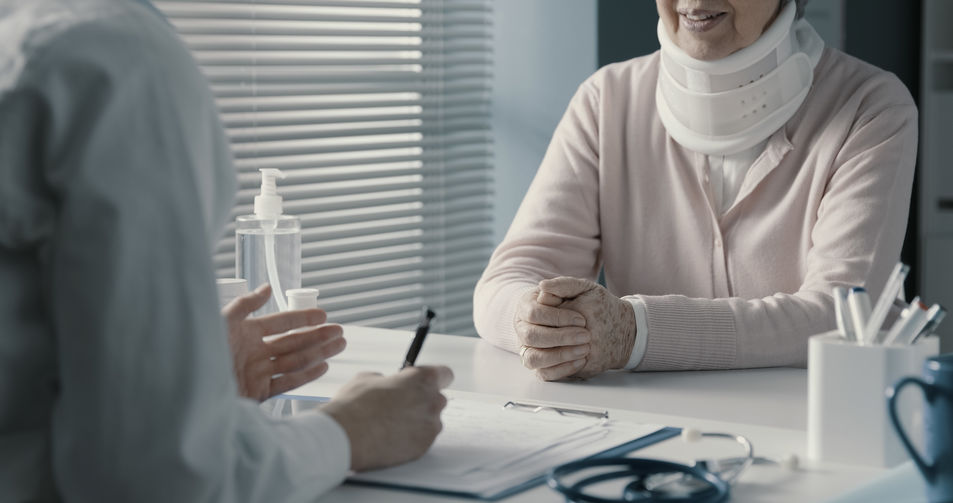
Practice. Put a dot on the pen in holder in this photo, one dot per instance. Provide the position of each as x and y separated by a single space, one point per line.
847 382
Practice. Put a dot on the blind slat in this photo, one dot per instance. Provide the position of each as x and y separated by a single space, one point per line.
308 61
276 74
321 191
316 147
472 5
470 265
320 248
312 162
355 286
368 315
308 176
203 43
260 105
311 264
447 90
310 28
400 14
306 117
318 133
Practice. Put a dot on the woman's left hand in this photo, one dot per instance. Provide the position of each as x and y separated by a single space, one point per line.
265 369
609 320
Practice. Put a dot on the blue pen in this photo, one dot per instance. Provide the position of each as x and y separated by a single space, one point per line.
842 314
859 303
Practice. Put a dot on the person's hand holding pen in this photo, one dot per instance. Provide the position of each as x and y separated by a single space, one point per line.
394 419
574 327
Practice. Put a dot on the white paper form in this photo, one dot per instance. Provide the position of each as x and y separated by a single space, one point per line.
485 448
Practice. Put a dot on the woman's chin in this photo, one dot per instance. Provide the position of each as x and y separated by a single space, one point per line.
705 51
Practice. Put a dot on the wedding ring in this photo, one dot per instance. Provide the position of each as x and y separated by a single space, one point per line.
523 351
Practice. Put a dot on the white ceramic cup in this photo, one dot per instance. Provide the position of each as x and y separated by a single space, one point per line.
847 418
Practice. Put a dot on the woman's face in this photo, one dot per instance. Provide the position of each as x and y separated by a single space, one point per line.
713 29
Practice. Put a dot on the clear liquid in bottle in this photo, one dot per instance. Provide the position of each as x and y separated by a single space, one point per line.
251 260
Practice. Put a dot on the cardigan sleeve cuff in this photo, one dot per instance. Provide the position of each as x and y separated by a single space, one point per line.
688 334
641 333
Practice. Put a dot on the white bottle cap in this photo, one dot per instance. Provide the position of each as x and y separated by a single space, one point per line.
302 298
230 289
268 202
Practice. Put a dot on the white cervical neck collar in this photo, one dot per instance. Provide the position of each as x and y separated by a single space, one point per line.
732 104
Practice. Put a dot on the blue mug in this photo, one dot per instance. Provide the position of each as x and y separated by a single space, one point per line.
937 386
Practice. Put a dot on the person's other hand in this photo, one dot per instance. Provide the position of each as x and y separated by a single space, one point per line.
554 338
265 369
609 320
391 420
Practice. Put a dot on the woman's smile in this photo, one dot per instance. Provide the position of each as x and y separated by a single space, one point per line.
697 20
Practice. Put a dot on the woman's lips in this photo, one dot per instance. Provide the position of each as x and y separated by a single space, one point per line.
700 21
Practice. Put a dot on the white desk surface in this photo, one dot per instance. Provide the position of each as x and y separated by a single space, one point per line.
769 406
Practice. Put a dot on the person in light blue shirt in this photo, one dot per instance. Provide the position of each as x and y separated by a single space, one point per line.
115 372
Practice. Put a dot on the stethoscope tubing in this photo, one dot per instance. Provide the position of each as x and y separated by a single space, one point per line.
639 467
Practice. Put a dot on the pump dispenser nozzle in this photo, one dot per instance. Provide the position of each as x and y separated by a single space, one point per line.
268 202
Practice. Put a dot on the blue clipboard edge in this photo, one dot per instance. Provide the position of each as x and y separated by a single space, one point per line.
622 449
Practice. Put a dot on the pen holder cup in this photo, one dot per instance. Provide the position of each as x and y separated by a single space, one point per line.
847 419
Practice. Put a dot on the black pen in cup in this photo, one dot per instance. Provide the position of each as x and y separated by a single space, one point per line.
418 342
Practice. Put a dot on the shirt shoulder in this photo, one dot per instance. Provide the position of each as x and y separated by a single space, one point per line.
625 77
847 81
127 39
123 85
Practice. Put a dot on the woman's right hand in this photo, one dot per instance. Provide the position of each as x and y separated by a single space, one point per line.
554 340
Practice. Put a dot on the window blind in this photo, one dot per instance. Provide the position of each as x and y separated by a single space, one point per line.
378 112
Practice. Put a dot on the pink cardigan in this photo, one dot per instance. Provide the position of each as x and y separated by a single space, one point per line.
825 204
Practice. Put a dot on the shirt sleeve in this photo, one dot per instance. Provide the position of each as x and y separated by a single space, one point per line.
550 214
139 180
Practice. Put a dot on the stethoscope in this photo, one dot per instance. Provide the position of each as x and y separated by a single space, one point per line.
654 480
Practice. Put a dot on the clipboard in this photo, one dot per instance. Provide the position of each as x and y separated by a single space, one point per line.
491 449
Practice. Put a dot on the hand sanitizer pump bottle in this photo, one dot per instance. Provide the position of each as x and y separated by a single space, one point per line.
268 245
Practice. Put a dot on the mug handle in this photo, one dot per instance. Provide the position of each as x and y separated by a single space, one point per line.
892 394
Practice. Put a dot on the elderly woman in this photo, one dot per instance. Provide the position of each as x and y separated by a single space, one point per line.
724 183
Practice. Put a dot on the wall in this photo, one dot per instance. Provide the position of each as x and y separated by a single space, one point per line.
886 33
543 50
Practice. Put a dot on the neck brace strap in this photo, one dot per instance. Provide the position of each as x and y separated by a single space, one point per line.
732 104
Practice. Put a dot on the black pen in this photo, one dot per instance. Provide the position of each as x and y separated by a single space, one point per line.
418 342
